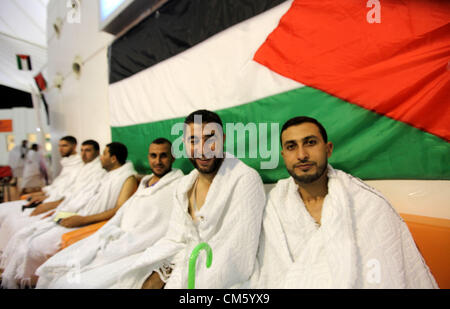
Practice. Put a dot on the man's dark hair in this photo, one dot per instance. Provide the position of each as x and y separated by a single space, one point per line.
92 143
70 139
161 140
302 119
119 150
35 147
207 117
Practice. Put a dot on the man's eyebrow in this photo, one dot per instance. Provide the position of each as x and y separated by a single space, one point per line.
309 137
293 141
290 142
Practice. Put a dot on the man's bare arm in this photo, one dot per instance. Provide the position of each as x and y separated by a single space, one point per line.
36 199
128 189
153 282
45 207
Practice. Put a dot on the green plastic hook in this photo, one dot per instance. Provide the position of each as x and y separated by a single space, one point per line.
193 262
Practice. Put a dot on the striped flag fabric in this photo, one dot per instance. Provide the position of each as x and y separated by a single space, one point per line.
24 62
378 88
41 83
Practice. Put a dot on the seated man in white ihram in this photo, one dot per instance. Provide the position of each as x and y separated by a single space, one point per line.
33 245
96 262
71 166
323 228
80 192
221 203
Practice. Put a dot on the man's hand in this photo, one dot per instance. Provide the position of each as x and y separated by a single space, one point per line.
74 221
153 282
37 199
51 213
40 210
45 207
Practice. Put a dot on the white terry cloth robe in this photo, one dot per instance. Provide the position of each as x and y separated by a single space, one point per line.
230 222
80 192
98 260
361 243
71 167
33 245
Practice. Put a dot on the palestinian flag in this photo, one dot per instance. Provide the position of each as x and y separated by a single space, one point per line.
24 62
41 83
380 89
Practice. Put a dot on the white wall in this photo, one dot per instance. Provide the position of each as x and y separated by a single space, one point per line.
80 107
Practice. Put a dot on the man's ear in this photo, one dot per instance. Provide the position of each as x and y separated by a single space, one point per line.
113 159
330 147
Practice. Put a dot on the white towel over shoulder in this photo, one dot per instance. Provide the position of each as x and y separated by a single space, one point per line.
106 194
71 167
361 243
230 223
89 176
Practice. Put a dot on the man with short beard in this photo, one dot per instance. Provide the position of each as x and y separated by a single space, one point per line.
220 202
71 164
324 228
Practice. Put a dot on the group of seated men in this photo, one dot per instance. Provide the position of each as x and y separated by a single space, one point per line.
319 228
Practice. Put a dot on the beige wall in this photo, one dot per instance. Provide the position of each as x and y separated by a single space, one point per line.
429 198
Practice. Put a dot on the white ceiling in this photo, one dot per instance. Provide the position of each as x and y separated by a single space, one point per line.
22 31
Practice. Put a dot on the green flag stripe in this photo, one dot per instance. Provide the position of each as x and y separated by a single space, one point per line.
367 145
19 62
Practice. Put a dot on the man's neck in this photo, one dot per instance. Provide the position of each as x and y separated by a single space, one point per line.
314 190
114 167
206 179
71 154
313 195
154 179
91 160
197 194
